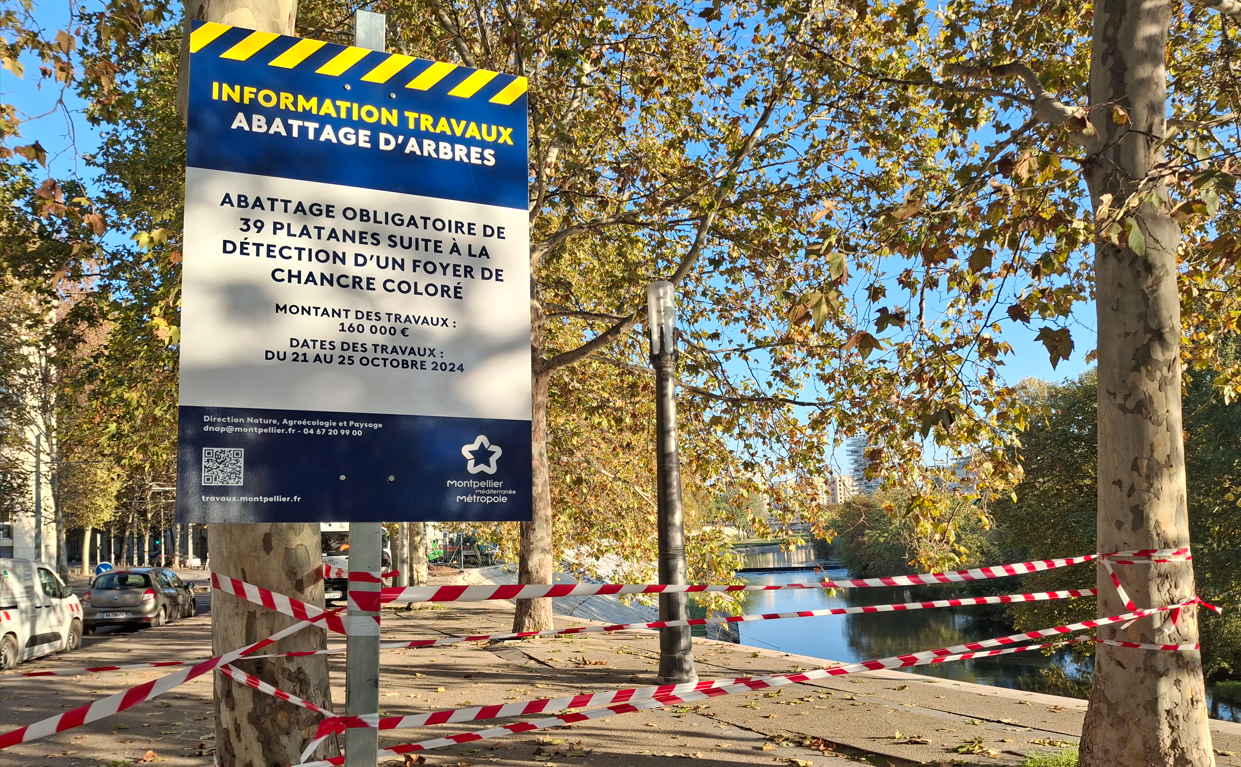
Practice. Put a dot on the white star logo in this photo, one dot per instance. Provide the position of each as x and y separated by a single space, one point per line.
476 454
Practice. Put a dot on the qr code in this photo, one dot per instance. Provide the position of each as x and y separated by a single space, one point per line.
223 466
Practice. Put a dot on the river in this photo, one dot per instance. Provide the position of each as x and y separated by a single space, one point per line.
851 638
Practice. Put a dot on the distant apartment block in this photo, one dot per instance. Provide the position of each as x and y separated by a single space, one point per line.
855 450
841 488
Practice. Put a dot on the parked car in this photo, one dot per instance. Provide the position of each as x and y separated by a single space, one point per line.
38 613
136 598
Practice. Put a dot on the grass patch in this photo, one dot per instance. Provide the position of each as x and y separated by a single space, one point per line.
1066 757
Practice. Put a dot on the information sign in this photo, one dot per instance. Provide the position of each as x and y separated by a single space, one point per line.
355 332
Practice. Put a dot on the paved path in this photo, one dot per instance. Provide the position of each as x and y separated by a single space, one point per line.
834 721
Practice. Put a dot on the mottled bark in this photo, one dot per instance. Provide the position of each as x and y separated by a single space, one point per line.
400 553
254 729
86 536
263 15
535 562
1146 708
418 553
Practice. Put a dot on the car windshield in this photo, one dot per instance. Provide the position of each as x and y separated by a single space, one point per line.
113 581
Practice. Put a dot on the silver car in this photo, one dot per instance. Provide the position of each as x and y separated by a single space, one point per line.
136 599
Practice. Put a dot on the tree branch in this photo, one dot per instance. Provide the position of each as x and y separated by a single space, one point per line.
548 161
1047 107
1175 125
614 478
537 251
722 190
556 310
595 344
734 398
921 83
458 41
1226 7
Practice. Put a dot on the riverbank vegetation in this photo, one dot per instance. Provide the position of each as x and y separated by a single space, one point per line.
1052 513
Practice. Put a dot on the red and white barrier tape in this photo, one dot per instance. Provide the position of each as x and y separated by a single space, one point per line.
249 680
120 701
417 643
713 689
310 615
688 693
524 708
887 608
1149 556
279 602
1147 645
540 591
98 669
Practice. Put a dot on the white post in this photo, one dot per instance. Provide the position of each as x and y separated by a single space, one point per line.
365 562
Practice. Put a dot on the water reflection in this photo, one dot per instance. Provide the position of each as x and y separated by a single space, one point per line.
773 558
851 638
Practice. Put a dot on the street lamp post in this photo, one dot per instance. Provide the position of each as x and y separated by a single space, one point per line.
676 654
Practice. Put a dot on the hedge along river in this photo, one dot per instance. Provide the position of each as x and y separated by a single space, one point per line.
852 638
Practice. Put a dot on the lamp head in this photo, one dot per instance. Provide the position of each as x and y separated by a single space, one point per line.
661 316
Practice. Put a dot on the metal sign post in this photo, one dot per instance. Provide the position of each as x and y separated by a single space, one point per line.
365 560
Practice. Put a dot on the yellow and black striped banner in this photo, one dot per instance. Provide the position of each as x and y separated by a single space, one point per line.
395 68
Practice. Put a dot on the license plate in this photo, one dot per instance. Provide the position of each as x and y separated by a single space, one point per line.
331 595
113 615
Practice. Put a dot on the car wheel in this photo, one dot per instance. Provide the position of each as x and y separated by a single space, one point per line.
8 652
88 630
160 618
74 640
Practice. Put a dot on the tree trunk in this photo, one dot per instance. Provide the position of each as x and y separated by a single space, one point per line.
176 545
86 536
535 563
58 517
254 729
418 553
146 535
1146 707
400 553
126 534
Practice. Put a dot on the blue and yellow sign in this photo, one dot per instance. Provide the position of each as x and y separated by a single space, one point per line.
369 119
355 341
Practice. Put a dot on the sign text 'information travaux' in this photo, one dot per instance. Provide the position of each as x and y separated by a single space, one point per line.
355 339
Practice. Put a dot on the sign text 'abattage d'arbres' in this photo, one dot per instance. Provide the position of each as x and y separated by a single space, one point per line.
355 333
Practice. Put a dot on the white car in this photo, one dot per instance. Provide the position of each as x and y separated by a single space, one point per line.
38 614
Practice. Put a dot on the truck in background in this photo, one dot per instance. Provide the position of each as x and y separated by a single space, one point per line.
335 537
